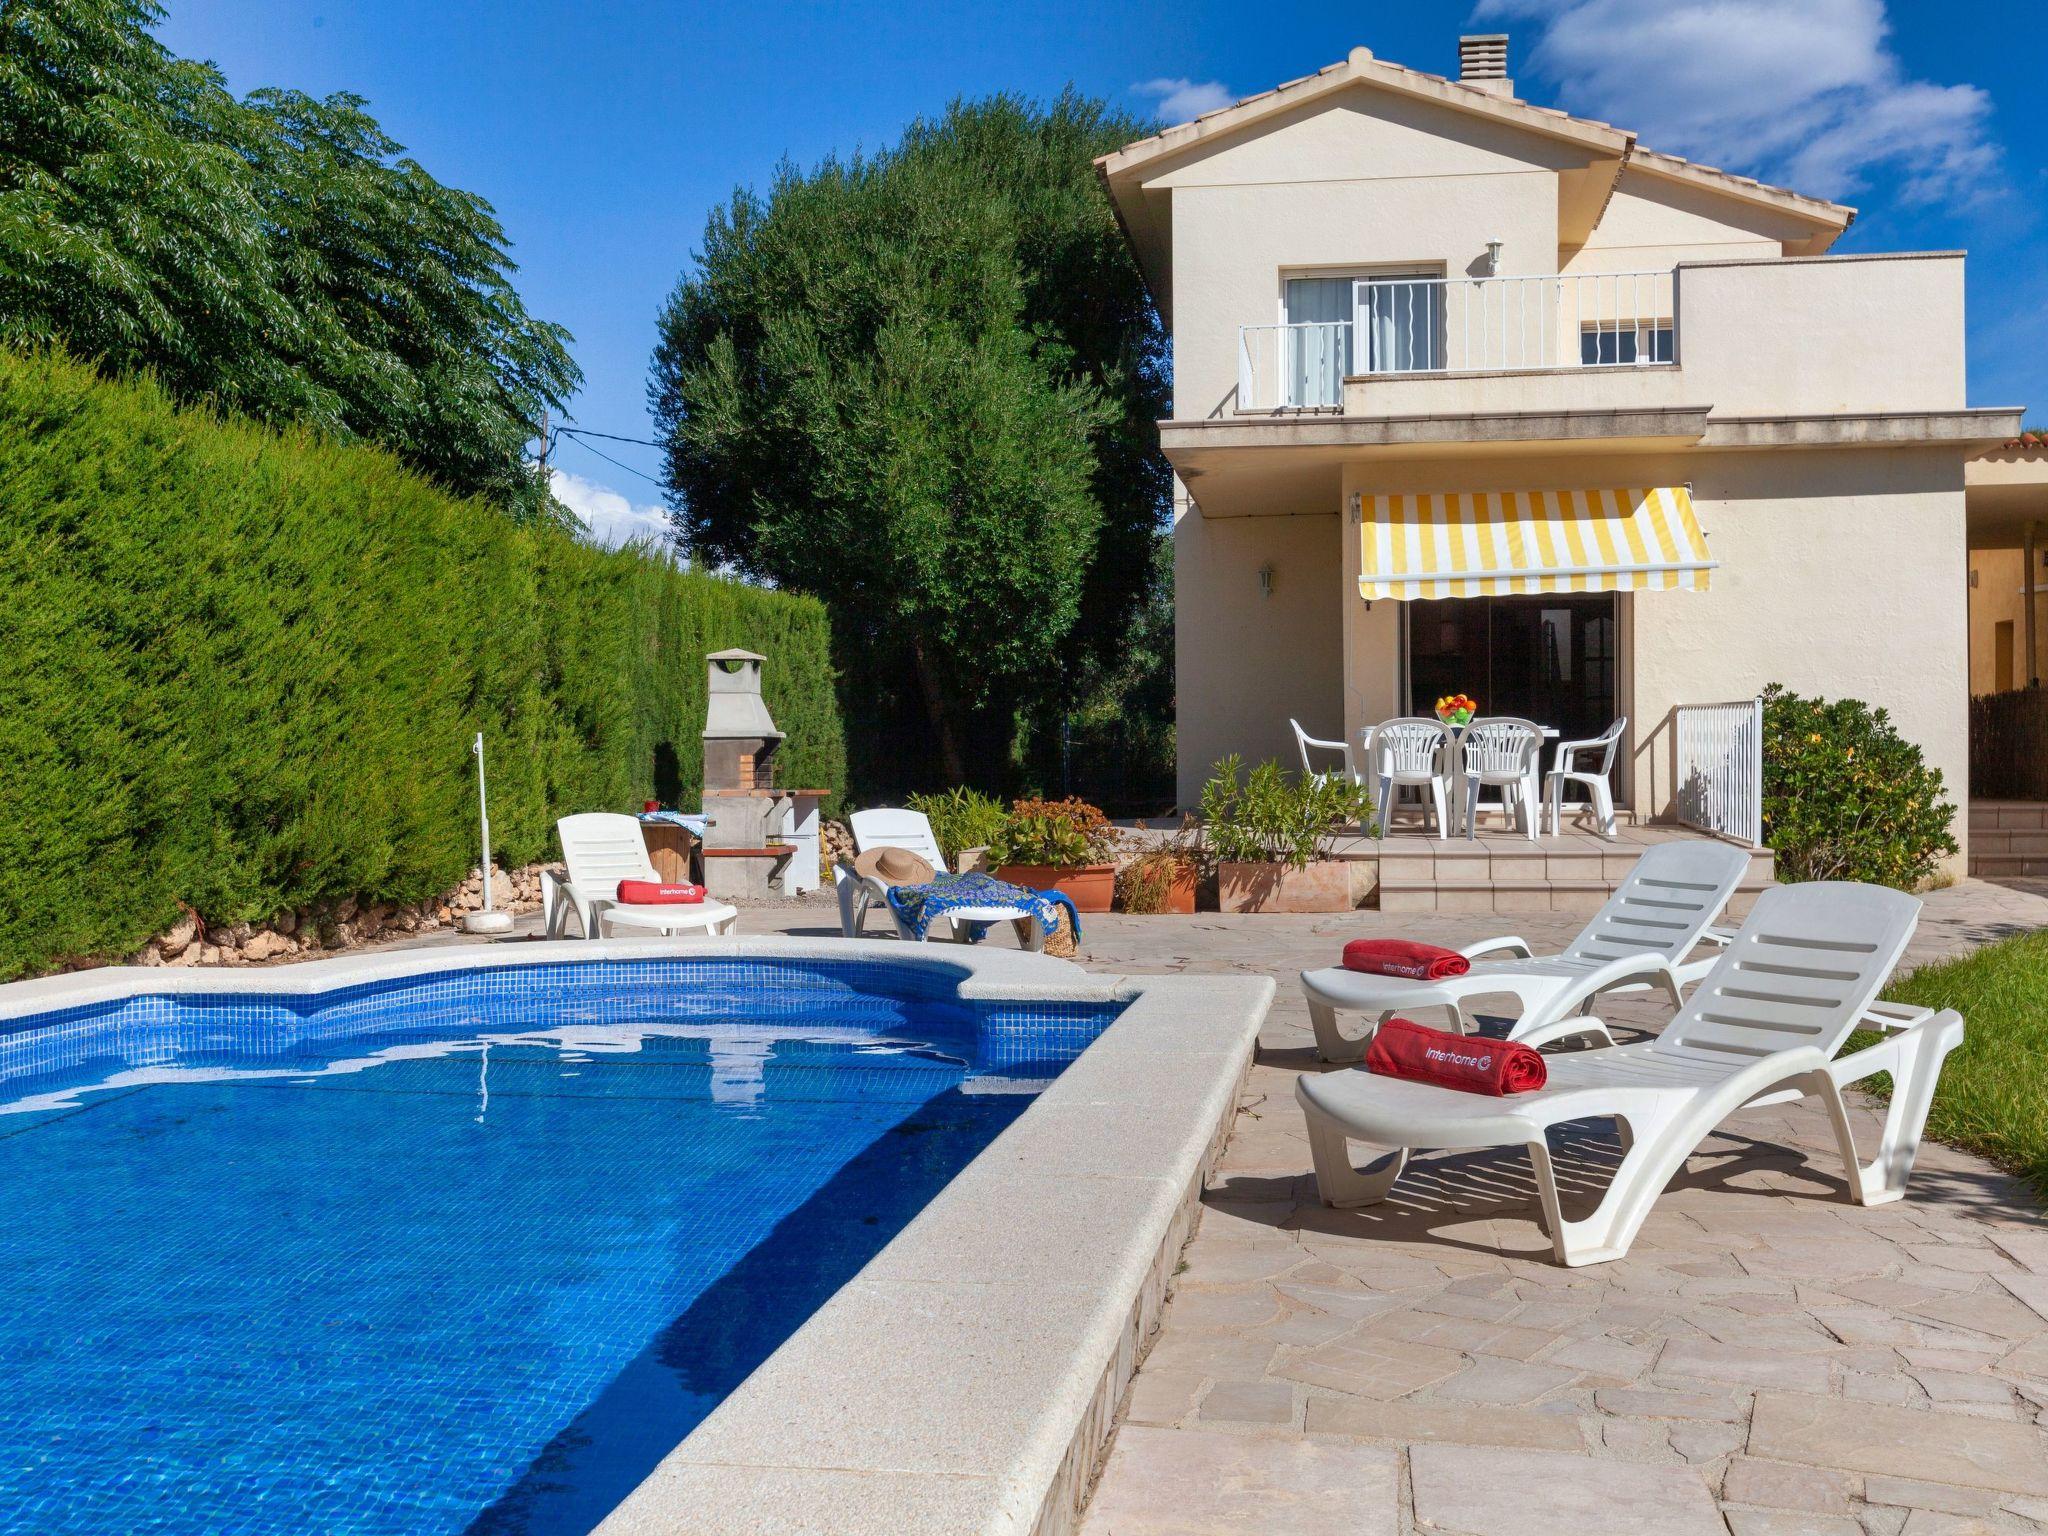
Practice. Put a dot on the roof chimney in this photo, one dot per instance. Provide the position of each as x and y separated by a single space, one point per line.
1483 63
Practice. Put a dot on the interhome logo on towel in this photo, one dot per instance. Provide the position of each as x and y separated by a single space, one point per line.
1453 1058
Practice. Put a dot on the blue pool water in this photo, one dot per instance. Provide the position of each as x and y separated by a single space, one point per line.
467 1255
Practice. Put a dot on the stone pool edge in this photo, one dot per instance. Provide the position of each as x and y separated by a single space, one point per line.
967 1378
983 973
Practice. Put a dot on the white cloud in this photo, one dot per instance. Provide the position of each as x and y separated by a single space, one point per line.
1804 92
1182 99
610 517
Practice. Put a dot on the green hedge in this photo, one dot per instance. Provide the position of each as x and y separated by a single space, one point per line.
241 670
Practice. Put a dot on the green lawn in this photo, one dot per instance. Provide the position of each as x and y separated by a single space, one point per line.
1993 1097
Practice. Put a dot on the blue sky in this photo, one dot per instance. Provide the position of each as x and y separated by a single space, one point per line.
603 132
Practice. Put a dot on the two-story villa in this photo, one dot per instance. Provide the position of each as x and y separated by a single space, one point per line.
1470 394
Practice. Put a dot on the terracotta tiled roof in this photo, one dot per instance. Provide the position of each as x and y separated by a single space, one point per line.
1360 59
2033 440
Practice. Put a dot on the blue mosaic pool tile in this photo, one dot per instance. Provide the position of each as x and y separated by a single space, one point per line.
363 1264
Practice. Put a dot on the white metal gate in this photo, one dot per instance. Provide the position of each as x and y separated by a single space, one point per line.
1721 769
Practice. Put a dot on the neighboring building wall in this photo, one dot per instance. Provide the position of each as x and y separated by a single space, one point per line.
1244 664
1997 600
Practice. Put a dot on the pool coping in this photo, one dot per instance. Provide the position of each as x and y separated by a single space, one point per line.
994 974
967 1378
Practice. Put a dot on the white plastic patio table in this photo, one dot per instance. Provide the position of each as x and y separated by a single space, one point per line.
711 916
1550 733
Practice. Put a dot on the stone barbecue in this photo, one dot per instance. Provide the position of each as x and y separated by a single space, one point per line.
759 840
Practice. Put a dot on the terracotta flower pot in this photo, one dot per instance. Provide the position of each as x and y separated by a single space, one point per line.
1180 892
1320 887
1089 886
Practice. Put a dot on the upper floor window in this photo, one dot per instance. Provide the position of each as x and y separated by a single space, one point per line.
1627 341
1358 323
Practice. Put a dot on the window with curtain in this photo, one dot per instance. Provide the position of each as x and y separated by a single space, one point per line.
1402 315
1316 346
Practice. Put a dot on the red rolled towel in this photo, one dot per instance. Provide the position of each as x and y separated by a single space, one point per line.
1404 957
1469 1063
653 893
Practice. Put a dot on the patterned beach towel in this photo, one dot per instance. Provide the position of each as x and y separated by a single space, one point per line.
919 905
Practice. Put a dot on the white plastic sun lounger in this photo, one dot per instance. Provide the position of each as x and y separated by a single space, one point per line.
891 827
601 848
1763 1027
1640 938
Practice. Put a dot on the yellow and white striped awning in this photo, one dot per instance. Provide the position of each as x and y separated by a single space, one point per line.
1492 543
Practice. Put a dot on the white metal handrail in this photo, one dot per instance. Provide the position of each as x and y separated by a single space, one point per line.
1461 325
1721 769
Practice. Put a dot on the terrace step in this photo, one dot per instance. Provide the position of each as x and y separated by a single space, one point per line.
2008 838
1499 872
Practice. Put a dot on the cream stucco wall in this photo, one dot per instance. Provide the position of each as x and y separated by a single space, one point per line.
1365 182
1246 663
1653 223
1779 337
1841 573
1842 570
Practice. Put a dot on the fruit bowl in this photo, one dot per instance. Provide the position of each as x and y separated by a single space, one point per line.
1456 709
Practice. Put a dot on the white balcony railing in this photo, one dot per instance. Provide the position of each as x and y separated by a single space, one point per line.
1451 325
1720 784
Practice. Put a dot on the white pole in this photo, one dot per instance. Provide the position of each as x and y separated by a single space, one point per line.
483 807
487 920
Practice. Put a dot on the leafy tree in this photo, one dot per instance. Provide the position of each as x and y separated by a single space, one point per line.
921 384
276 255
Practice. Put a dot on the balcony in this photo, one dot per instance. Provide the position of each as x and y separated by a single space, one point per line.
1446 327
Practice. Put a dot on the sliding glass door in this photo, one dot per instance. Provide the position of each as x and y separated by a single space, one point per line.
1547 658
1315 350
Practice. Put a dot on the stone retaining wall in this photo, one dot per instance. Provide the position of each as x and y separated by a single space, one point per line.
336 928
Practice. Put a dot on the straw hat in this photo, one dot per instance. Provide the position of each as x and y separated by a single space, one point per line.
894 866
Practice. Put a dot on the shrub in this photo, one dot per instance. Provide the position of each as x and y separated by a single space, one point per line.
1848 798
242 670
961 818
1064 834
1270 816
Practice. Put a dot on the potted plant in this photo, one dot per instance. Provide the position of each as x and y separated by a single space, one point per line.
1164 877
1267 831
1058 845
965 822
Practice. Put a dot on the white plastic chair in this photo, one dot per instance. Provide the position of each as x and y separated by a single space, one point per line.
1413 750
1306 743
1501 752
1643 937
1598 780
1764 1027
893 827
601 848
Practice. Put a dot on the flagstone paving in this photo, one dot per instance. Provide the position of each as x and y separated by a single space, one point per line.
1768 1361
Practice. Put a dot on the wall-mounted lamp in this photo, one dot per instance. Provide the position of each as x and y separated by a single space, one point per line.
1266 579
1493 257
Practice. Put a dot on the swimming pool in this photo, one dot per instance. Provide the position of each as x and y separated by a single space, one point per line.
467 1251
